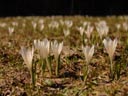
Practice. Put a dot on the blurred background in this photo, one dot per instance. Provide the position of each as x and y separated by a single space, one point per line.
63 7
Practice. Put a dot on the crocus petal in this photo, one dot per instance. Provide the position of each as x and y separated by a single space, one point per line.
27 55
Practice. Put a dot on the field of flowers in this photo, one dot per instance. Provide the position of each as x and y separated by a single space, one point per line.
64 56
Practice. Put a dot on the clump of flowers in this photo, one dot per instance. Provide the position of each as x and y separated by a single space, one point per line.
102 28
43 48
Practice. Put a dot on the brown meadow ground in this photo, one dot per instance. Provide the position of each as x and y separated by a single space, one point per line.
15 77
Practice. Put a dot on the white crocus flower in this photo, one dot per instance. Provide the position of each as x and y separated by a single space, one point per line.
53 25
43 47
125 26
118 26
102 28
15 23
81 30
89 31
61 22
10 30
27 55
68 23
37 44
88 53
85 23
34 24
56 48
41 21
41 27
110 46
66 32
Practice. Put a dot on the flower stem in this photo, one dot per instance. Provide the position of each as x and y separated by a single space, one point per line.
49 65
57 65
111 70
117 70
86 71
33 75
83 39
43 66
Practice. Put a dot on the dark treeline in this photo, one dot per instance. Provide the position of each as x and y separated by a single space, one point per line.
63 7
